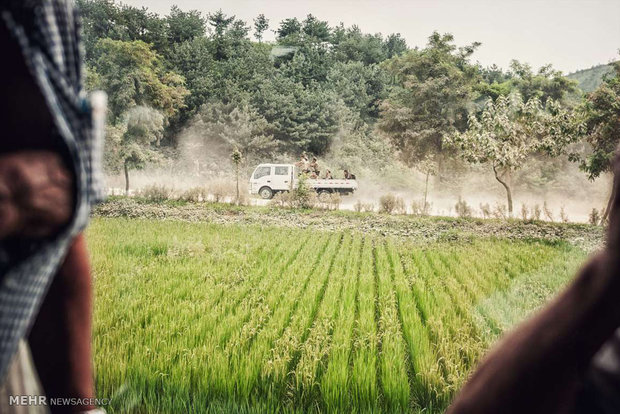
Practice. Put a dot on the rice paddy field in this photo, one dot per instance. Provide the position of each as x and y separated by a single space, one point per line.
251 317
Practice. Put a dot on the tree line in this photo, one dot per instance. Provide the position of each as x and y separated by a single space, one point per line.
363 98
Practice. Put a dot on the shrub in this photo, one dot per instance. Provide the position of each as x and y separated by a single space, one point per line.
419 208
595 217
462 208
334 201
400 207
536 212
563 215
357 207
282 199
194 194
301 197
368 207
524 212
547 211
156 193
219 190
485 210
390 203
499 211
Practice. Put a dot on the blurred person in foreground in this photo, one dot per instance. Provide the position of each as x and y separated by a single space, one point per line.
566 359
48 181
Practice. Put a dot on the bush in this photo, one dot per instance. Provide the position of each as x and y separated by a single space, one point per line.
400 207
156 193
485 210
334 201
536 212
419 208
595 217
219 190
389 203
499 211
548 212
524 212
462 208
563 215
194 194
282 199
301 197
363 207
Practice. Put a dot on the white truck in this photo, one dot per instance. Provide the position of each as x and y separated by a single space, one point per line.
269 179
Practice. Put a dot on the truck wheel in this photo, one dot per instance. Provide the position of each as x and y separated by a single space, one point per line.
266 193
324 195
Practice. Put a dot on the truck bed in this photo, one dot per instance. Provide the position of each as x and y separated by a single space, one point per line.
333 183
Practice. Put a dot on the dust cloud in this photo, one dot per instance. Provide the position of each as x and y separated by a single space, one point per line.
203 161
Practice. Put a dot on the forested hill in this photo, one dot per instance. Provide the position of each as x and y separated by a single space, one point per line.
203 84
590 79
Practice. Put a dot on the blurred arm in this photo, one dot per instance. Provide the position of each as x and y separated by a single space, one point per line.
61 336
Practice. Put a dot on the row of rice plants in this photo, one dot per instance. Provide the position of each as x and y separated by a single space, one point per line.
394 377
248 362
337 378
243 324
364 391
304 384
425 375
149 309
286 349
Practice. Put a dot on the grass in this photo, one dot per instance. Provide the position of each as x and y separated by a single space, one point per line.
246 317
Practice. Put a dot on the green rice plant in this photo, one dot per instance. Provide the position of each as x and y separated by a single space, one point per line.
364 390
394 377
338 372
216 318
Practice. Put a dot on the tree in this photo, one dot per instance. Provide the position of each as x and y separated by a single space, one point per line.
428 167
546 83
315 30
288 29
218 128
395 45
601 112
353 45
361 87
131 73
236 158
433 90
261 24
194 60
130 144
220 24
301 118
510 131
184 26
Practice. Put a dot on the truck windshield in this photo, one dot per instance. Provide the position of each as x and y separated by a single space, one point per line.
261 172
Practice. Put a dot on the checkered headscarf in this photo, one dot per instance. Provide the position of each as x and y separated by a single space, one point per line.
47 32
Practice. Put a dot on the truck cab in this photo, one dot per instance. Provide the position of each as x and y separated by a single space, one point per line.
268 179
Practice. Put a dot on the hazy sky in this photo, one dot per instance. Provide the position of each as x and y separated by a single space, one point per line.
570 34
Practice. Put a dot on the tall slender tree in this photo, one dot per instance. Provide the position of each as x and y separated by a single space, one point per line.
261 24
